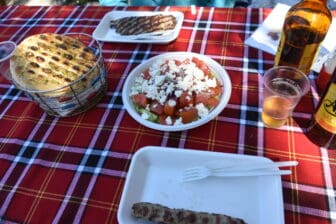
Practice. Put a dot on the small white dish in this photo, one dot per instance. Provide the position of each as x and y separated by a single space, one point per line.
218 69
154 174
103 32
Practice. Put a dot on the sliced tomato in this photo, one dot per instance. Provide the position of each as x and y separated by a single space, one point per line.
207 99
188 114
140 100
156 108
146 74
186 61
169 107
202 98
186 99
202 65
212 102
195 60
205 68
162 119
177 62
215 91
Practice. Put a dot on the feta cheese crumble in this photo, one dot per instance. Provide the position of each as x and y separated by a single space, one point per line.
202 110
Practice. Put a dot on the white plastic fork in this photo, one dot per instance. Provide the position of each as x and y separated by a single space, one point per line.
150 36
259 169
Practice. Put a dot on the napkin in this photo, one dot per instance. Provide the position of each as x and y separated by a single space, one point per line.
267 36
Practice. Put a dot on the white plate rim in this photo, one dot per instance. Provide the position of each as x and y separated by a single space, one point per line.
188 153
222 75
105 24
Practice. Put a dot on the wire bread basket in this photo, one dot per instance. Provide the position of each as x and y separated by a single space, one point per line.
70 100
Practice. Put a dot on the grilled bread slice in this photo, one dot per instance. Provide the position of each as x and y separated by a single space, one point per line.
46 62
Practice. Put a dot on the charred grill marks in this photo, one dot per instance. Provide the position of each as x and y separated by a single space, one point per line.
55 60
161 214
143 24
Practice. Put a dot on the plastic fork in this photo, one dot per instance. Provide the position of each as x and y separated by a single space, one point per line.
149 36
259 169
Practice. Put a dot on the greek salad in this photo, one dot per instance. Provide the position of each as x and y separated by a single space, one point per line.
174 92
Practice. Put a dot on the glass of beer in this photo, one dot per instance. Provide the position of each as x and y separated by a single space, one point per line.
283 88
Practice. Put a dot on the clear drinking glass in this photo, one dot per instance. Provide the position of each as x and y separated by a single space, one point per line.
283 88
6 50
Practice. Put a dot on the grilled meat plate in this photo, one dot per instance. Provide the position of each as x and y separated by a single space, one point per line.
161 214
134 25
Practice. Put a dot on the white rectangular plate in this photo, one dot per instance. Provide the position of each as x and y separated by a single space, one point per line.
154 176
103 32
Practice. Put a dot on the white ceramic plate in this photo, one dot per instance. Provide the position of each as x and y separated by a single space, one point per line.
103 32
215 67
154 174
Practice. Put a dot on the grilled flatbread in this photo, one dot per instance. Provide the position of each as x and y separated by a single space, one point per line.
45 62
134 25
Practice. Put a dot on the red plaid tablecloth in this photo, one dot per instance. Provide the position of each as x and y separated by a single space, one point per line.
72 170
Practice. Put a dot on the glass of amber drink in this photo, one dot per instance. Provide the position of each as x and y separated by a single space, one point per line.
283 88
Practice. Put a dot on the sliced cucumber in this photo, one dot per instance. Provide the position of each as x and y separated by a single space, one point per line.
148 115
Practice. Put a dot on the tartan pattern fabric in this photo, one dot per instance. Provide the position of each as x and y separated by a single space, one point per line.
72 170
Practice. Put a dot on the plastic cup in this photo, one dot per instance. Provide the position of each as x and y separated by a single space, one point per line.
283 88
6 50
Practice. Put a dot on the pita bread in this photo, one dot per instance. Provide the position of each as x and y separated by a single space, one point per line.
47 62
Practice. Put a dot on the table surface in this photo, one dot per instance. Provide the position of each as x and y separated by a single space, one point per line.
71 170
